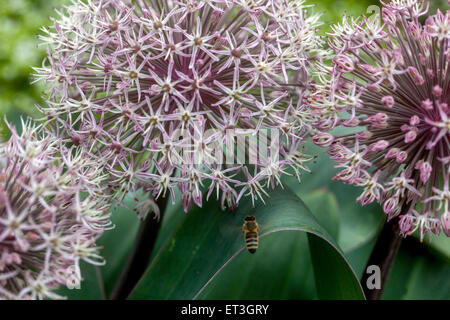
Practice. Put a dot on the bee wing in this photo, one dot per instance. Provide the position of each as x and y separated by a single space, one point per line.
230 230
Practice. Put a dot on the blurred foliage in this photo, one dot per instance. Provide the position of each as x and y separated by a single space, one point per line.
20 21
333 10
298 257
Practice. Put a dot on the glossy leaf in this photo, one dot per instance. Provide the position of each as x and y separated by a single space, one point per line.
440 245
208 240
358 224
281 268
418 274
324 206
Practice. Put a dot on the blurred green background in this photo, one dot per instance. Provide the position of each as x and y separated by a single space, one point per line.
20 21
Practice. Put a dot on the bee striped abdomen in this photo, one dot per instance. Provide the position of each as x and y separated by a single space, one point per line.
251 228
251 241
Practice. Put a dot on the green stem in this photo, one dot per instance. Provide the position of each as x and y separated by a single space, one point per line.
140 254
383 255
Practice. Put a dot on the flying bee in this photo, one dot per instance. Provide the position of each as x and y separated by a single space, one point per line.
250 228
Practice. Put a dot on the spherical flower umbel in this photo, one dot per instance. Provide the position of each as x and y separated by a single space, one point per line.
51 214
127 81
390 79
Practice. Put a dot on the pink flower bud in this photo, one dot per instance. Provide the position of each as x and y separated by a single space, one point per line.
414 120
419 80
366 197
405 127
344 63
390 206
425 170
437 91
379 145
389 16
388 101
392 153
353 122
323 139
378 120
364 135
401 156
410 136
406 224
217 14
427 104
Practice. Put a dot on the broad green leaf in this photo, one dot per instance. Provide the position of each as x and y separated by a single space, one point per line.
324 206
290 248
440 245
358 257
281 268
337 273
202 246
418 274
358 224
173 216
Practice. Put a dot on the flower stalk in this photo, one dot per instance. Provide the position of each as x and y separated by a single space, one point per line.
140 254
383 256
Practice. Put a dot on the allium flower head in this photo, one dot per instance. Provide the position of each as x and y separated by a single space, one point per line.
50 215
138 85
390 80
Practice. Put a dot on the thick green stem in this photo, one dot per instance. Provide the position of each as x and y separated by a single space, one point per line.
140 254
382 256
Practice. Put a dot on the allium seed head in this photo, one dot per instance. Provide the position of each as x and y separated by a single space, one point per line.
391 80
157 88
51 215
